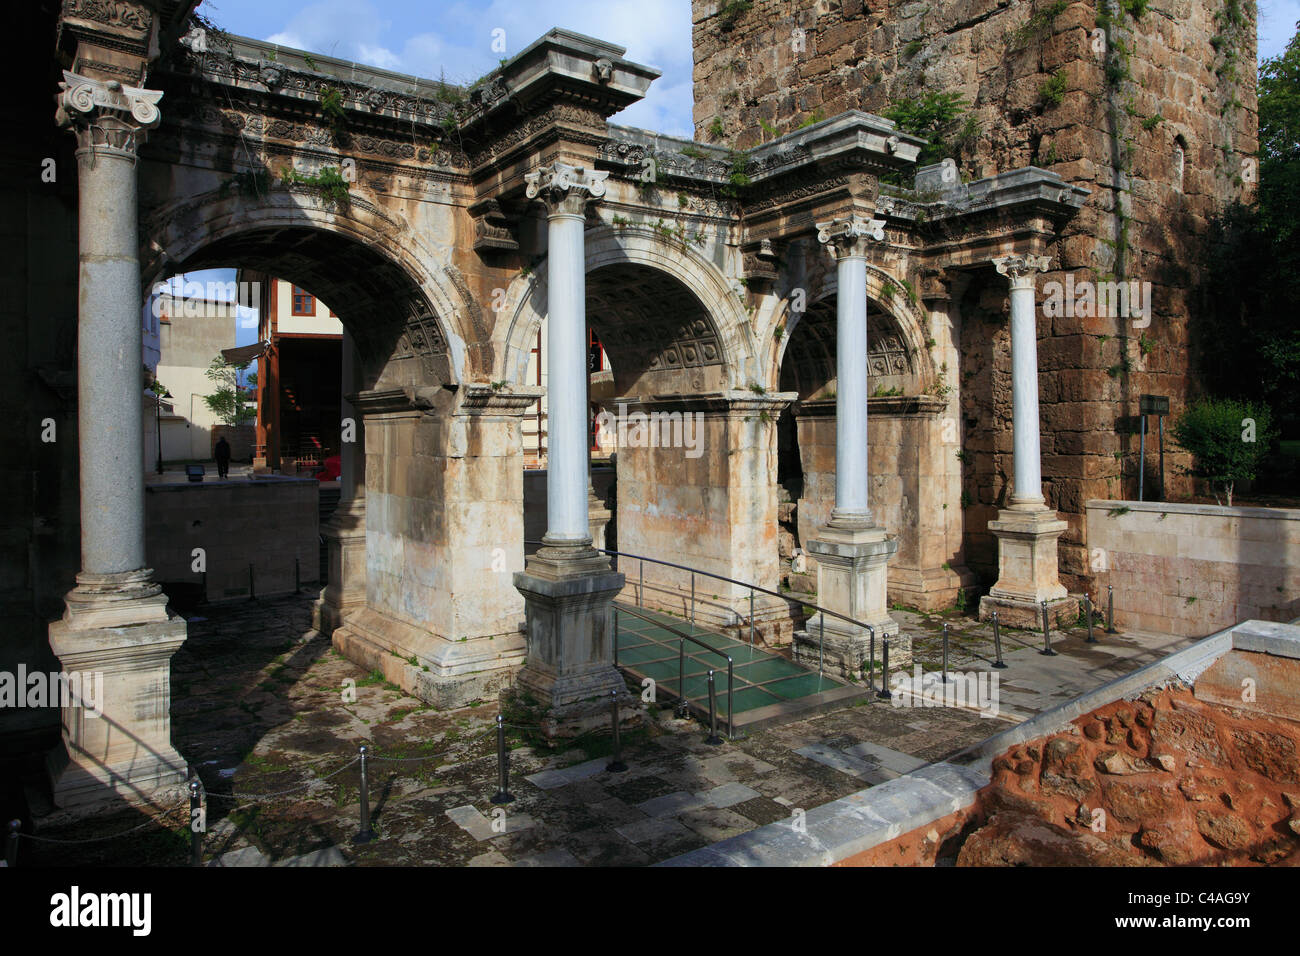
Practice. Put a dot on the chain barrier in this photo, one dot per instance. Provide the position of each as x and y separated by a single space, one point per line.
19 835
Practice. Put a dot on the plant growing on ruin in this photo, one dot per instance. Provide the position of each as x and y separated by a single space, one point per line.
1227 439
716 129
1052 92
732 11
329 183
1037 23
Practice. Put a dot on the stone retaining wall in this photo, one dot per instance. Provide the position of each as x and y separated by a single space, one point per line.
1193 569
267 523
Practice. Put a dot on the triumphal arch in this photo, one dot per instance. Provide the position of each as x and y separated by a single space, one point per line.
789 298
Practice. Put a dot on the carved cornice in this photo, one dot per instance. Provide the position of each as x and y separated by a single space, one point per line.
491 228
848 237
480 399
1022 269
106 115
565 189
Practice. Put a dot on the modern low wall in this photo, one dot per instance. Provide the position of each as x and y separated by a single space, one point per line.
268 523
1194 569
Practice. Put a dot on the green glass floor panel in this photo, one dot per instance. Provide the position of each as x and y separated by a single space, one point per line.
761 677
801 686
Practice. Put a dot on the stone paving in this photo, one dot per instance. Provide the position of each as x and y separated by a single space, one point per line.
262 705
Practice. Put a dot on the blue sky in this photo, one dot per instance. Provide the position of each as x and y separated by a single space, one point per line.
428 39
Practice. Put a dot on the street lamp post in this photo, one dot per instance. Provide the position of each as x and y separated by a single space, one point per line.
157 418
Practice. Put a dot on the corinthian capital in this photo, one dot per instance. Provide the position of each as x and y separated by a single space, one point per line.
565 189
1021 269
848 237
104 113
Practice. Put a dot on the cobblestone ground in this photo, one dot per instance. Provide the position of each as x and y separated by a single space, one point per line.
258 708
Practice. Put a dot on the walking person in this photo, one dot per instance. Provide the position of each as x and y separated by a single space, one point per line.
222 454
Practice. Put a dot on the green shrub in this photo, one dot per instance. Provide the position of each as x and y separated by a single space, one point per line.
1227 439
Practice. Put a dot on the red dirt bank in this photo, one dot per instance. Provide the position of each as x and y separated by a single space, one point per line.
1162 780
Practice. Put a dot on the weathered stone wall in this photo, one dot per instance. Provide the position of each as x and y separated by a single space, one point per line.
268 524
1155 115
716 511
1194 569
914 492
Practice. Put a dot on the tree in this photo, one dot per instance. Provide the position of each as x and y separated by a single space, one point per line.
1247 337
1227 439
228 402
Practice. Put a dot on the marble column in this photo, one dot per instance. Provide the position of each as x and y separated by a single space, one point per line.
852 551
567 585
1027 530
345 531
116 623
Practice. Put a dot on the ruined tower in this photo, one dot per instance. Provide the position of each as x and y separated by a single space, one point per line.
1149 104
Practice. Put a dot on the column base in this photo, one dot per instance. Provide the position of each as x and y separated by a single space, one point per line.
439 671
569 673
345 591
116 744
852 578
115 600
1028 573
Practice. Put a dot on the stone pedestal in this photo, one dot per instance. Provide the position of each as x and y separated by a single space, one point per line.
852 572
125 753
598 517
345 537
1027 571
569 672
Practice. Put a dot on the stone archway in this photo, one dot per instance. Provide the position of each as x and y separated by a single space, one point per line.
914 471
425 613
696 456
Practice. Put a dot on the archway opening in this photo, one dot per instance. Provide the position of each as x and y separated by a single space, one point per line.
806 430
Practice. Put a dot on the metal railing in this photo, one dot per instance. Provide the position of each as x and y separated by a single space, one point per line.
681 668
640 590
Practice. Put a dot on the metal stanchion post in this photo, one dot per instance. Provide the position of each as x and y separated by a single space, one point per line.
1047 634
252 584
365 834
731 682
872 655
692 597
11 842
1110 609
713 737
945 653
682 707
616 765
821 641
196 833
885 693
297 575
998 662
751 619
640 591
1087 610
503 795
615 637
